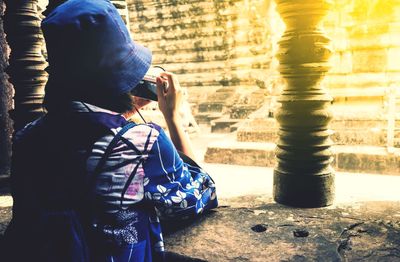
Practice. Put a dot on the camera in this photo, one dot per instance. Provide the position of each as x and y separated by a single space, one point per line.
147 87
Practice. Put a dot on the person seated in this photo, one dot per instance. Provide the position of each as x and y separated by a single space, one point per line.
87 183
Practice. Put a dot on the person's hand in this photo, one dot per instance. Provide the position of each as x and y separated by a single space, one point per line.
170 96
169 93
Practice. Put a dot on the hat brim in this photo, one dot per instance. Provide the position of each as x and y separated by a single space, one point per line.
137 66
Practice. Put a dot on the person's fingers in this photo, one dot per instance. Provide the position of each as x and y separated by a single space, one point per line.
171 83
176 82
160 88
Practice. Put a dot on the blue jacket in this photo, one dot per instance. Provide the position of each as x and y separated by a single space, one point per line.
68 207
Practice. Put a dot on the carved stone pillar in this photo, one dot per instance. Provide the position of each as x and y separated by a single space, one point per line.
26 70
303 176
5 102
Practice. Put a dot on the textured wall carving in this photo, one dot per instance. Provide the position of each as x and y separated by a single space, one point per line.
26 70
209 44
5 101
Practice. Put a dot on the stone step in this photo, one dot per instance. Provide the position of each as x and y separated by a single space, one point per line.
357 128
207 117
209 107
235 77
360 159
177 11
367 92
222 99
199 94
221 66
219 80
191 55
355 136
241 111
202 43
224 125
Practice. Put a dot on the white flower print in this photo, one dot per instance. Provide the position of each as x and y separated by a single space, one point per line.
176 199
181 194
148 195
161 189
184 204
146 181
156 196
197 194
168 202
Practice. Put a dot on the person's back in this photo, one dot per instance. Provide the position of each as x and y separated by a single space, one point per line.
54 164
89 185
49 190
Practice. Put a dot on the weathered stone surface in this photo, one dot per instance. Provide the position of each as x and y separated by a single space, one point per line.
353 129
258 130
5 217
27 64
367 159
241 153
363 232
253 228
210 45
5 102
247 104
360 159
223 125
363 40
207 117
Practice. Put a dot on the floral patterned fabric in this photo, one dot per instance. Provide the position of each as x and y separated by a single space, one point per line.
144 170
67 180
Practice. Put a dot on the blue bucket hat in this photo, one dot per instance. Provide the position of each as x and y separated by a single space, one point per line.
90 49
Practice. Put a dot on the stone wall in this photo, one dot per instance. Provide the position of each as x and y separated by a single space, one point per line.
5 101
366 48
211 45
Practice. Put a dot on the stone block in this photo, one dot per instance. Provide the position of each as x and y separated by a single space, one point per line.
241 153
348 129
254 228
241 111
211 106
369 60
358 136
257 136
258 130
207 117
367 159
358 159
223 125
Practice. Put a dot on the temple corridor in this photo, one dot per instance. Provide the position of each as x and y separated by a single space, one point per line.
294 104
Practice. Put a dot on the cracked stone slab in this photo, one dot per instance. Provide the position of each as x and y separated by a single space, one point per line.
254 228
367 231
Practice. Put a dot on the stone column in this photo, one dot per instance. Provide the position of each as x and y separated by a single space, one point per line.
5 102
26 69
303 176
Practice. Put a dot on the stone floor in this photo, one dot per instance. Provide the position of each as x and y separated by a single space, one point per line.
362 225
254 228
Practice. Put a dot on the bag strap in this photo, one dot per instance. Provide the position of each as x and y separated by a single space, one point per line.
109 148
107 152
133 173
128 183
